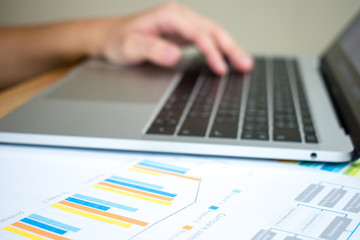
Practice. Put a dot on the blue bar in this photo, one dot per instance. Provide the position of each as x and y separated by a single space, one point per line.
333 167
310 164
111 204
213 207
87 204
236 191
43 226
54 223
137 182
165 165
161 167
140 187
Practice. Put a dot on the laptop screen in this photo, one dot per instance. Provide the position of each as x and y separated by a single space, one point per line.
350 45
341 67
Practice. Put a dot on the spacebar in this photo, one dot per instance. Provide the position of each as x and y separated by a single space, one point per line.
194 127
292 135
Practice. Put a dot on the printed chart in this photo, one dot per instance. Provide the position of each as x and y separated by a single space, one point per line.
134 199
148 196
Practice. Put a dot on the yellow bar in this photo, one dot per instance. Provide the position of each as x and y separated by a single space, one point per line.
133 195
143 171
140 192
23 233
165 172
289 161
92 216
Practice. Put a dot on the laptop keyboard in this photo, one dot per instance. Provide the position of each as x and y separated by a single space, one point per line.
203 105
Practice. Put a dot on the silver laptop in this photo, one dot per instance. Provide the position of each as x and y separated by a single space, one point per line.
294 108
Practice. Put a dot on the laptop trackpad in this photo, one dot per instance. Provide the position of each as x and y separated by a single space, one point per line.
101 82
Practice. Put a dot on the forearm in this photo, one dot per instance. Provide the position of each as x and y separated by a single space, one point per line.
28 51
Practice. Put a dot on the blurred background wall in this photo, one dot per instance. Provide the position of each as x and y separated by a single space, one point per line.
267 26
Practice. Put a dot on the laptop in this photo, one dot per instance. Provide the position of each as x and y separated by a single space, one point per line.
295 108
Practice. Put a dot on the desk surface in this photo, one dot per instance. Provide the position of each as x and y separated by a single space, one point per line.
15 96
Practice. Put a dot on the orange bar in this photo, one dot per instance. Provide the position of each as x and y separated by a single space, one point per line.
102 213
187 227
166 172
136 191
38 231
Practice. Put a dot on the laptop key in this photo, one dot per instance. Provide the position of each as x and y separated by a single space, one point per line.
247 135
224 130
194 127
309 129
252 135
263 135
311 138
255 127
161 130
289 135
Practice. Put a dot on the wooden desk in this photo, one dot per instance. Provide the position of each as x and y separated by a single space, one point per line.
21 93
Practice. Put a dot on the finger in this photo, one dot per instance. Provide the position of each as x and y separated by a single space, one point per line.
189 29
212 54
236 54
230 49
142 47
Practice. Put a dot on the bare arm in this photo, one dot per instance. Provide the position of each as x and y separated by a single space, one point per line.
154 35
28 51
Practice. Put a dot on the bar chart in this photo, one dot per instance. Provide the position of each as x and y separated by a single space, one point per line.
134 198
39 227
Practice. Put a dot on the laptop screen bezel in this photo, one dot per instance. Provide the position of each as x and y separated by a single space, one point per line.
334 80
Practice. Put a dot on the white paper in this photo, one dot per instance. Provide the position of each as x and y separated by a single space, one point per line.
212 198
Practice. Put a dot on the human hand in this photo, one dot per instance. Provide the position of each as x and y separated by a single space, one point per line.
156 35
